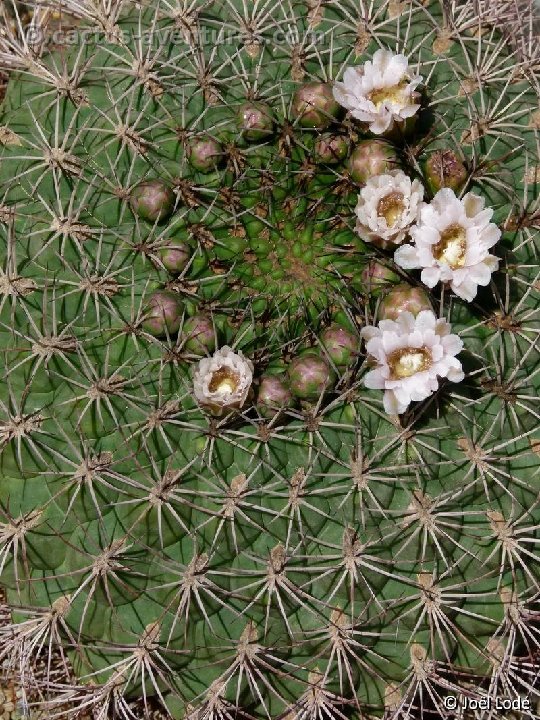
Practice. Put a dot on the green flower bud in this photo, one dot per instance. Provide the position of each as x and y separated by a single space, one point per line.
255 121
204 153
152 200
163 313
377 276
370 158
444 169
200 335
331 149
314 106
175 255
342 346
273 395
403 298
310 376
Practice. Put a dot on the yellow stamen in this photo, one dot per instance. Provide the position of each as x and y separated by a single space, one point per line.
452 247
391 208
406 362
393 94
224 381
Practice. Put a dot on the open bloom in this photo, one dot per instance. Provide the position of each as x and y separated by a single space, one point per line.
223 381
451 243
380 92
388 205
410 354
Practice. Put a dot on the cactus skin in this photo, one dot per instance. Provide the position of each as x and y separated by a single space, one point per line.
317 559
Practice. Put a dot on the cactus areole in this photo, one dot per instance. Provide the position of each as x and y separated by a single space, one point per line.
269 342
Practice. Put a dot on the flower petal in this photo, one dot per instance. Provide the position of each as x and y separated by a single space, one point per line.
374 380
430 276
406 256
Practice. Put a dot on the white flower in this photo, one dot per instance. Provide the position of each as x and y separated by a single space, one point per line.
452 239
223 381
380 92
387 207
411 353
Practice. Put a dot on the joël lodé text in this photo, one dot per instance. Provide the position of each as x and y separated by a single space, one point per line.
452 702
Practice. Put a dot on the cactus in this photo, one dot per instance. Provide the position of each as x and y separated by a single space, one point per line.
269 336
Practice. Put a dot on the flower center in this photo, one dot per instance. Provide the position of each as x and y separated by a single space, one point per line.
452 247
406 362
224 381
391 207
388 94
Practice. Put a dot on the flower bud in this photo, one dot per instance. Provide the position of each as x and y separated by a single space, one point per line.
314 106
403 298
310 376
163 313
152 200
331 149
377 276
200 335
204 153
273 396
342 346
175 255
370 158
443 169
255 121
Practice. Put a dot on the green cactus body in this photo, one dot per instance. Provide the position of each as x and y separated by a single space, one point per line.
189 517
